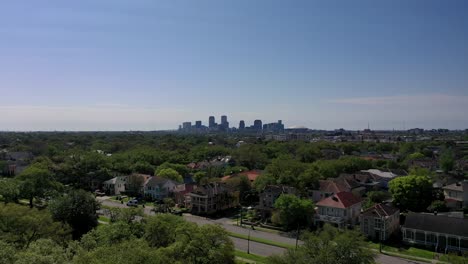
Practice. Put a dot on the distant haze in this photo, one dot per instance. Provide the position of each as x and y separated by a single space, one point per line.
151 65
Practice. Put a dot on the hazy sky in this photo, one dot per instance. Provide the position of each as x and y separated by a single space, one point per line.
146 64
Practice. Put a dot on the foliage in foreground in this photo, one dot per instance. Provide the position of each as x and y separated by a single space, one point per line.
329 246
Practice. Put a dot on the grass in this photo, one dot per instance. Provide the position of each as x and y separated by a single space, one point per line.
104 219
261 240
407 252
252 257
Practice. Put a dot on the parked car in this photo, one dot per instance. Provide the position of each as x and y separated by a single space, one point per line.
133 202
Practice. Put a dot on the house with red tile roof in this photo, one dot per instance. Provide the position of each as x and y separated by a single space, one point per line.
340 209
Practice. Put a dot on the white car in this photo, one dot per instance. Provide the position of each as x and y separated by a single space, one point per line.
132 203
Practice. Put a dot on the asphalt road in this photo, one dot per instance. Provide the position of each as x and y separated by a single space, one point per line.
255 248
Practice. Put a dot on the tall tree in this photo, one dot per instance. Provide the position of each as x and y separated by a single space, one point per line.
9 190
37 182
170 174
78 209
412 192
330 246
293 211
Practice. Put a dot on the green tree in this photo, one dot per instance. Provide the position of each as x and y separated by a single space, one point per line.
160 229
9 190
43 251
293 211
21 226
203 245
378 196
78 209
8 253
143 167
412 192
180 168
170 174
447 160
36 182
330 246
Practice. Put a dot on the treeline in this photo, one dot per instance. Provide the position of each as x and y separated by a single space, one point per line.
37 236
78 159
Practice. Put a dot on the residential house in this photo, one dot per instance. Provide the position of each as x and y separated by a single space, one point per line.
16 161
442 233
456 195
251 175
268 196
383 177
181 192
354 183
340 209
380 221
327 188
115 186
158 188
211 198
136 184
426 163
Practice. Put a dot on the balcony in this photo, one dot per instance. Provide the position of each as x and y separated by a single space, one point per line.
329 219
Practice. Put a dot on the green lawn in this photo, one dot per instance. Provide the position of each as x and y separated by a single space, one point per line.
407 251
261 240
104 219
252 257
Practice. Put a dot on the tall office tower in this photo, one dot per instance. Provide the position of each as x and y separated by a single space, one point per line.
257 124
198 124
186 125
224 123
223 120
211 122
241 125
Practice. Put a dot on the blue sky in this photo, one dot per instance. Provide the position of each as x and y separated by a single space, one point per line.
146 65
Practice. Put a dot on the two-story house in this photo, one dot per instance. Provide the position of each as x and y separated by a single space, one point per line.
340 209
211 198
456 195
441 233
158 188
268 196
115 186
380 221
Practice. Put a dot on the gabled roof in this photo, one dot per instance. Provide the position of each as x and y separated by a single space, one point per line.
380 210
440 224
157 181
454 187
340 200
251 174
329 186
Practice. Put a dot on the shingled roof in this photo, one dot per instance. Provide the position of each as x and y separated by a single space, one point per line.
380 210
340 200
439 224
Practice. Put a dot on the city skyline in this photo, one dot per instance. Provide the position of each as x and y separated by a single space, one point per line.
125 65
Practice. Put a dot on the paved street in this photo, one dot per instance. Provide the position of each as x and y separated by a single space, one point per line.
255 248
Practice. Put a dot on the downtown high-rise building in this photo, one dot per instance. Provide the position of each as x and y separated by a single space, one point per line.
211 122
241 125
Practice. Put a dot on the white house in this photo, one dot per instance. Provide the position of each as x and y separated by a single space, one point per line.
159 188
339 209
115 186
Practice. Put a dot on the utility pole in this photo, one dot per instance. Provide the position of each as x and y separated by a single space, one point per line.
381 233
248 243
297 235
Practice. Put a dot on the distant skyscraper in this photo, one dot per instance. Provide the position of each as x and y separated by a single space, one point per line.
257 124
198 124
211 122
224 122
186 125
241 125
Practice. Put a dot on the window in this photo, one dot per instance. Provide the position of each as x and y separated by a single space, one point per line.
378 223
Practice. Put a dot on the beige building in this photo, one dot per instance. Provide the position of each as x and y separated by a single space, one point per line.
380 221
